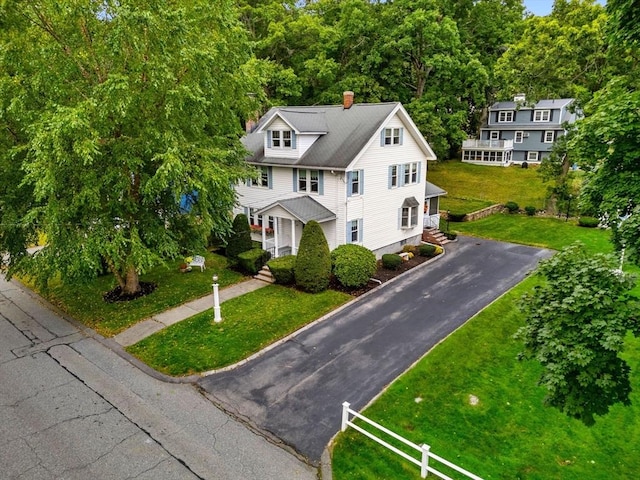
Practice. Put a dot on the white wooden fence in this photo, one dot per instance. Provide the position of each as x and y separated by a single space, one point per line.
424 450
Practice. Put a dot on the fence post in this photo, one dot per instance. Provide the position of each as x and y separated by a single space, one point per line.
425 461
345 415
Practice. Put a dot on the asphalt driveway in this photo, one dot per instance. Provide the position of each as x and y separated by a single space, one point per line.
295 391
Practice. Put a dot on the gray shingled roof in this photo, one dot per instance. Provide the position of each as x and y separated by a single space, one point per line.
546 104
303 208
348 131
431 190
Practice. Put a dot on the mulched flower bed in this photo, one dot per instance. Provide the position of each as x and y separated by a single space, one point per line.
116 295
382 274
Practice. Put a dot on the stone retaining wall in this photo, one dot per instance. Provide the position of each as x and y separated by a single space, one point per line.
485 212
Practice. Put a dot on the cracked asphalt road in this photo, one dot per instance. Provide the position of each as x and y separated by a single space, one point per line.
71 408
295 391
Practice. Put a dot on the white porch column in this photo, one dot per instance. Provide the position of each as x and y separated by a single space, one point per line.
264 234
294 248
275 236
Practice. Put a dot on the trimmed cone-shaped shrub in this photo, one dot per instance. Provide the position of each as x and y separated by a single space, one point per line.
353 265
282 269
240 237
313 263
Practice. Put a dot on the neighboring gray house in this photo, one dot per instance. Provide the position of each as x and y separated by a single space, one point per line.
517 132
359 170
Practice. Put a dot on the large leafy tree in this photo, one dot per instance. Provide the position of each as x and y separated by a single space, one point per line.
562 55
112 112
576 323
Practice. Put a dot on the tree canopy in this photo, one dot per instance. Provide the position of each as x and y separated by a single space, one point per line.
111 113
576 323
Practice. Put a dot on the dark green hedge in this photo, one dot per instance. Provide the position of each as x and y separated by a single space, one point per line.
282 269
391 261
253 260
427 250
588 222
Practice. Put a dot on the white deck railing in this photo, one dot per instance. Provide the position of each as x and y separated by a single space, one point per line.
484 144
424 449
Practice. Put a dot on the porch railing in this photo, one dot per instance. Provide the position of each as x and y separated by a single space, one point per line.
484 144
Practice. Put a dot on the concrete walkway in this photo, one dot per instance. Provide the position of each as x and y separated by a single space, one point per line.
164 319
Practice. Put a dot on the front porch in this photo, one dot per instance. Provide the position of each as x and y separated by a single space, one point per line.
488 152
287 218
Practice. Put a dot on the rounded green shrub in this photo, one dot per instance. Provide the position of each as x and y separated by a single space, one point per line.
530 210
282 269
353 265
451 235
253 260
588 222
240 238
313 263
457 216
391 261
427 250
512 207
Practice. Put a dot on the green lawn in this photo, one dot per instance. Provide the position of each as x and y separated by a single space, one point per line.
469 185
249 323
509 434
84 302
548 232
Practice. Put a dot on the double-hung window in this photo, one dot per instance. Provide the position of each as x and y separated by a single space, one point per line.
284 139
354 231
355 183
532 156
309 181
542 115
393 176
410 173
263 179
391 136
548 136
505 116
518 137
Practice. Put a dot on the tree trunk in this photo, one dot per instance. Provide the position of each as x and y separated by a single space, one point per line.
132 282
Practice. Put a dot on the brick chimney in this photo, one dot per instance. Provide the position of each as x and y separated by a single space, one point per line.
347 100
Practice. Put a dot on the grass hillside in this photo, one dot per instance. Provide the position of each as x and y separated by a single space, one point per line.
471 187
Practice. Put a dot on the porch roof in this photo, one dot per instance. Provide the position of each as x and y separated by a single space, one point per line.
431 190
303 208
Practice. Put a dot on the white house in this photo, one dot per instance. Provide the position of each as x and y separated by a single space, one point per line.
359 170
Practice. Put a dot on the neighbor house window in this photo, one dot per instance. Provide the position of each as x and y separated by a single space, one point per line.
518 137
505 116
494 135
548 136
541 115
392 136
532 156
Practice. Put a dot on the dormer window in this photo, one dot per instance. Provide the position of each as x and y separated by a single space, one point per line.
281 139
542 115
505 116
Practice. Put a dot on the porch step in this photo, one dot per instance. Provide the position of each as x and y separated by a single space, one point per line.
433 235
265 275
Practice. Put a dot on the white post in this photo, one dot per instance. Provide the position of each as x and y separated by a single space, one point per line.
264 235
216 301
294 249
275 237
425 461
345 416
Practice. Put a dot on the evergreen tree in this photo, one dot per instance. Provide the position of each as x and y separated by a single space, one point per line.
313 263
240 236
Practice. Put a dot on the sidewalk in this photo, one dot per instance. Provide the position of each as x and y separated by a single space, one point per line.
164 319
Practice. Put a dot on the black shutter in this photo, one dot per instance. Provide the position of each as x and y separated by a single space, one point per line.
532 112
551 115
542 136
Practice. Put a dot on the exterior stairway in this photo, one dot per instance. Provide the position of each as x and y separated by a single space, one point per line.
433 235
265 275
